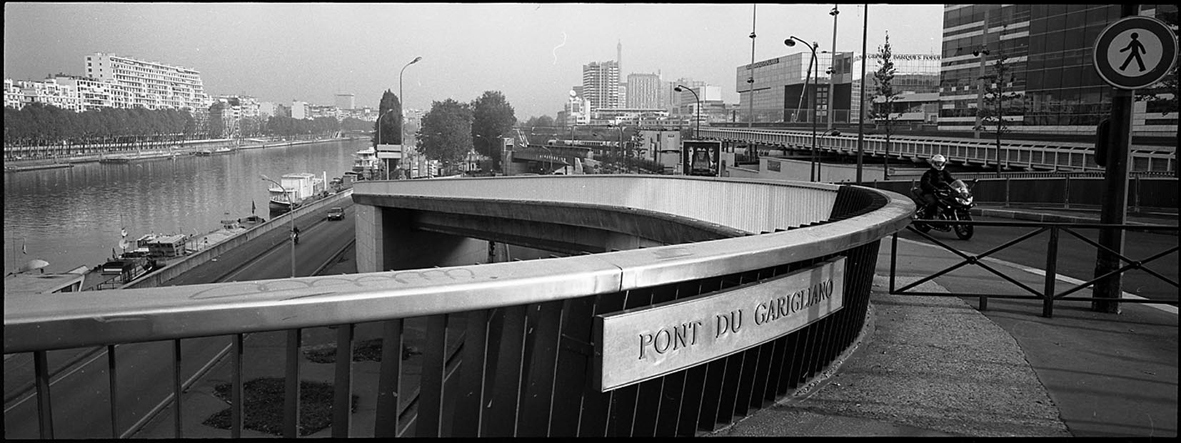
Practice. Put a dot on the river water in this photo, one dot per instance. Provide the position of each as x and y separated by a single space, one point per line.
73 217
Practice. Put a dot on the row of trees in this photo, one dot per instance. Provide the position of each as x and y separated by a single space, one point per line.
450 129
39 124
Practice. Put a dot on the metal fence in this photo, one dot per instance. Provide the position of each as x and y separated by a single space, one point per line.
1050 291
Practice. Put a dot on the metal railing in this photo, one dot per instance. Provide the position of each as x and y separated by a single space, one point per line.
1053 156
1050 291
524 332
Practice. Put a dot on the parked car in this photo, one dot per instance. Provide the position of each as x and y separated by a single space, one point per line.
336 214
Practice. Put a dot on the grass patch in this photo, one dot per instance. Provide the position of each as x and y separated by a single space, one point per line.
263 407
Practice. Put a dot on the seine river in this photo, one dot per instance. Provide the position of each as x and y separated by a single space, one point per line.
72 217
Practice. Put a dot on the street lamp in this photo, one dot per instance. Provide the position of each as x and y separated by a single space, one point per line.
290 213
387 163
791 41
697 133
832 67
402 110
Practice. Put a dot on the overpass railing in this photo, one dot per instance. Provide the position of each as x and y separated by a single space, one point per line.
1051 156
510 348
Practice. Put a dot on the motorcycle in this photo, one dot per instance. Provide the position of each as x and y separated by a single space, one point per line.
952 203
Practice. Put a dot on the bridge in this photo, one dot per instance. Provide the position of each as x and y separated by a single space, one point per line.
517 348
1014 154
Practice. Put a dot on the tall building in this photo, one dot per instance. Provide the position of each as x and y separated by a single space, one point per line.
916 83
600 84
1049 50
346 101
779 94
149 84
643 91
300 110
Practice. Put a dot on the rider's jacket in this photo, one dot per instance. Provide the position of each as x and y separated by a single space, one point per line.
934 179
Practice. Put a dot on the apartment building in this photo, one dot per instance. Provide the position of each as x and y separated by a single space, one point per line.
149 84
600 84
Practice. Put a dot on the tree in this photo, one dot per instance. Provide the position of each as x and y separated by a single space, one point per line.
1162 97
390 125
884 89
446 132
492 118
996 101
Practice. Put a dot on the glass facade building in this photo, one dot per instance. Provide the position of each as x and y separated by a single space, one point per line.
778 89
1049 50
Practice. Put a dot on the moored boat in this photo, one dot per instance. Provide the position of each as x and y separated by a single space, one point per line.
296 189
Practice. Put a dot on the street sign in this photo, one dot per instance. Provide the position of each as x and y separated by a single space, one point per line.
1135 52
389 151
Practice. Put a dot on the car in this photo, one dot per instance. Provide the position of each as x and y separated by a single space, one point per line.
336 213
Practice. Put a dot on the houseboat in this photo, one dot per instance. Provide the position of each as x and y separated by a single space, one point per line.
366 165
296 189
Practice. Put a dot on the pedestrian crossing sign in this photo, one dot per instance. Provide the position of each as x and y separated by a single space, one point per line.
1135 52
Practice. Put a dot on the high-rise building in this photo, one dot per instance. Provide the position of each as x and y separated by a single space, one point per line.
346 101
1048 50
916 84
600 84
643 91
149 84
779 92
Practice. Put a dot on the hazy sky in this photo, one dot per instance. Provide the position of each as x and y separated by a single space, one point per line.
533 53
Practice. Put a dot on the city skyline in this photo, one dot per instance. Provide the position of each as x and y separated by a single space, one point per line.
550 42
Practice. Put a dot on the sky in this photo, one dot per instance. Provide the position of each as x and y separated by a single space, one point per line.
533 53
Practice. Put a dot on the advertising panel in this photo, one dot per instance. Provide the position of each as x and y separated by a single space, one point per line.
701 158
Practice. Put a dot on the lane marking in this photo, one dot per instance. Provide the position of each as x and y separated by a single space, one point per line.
1064 278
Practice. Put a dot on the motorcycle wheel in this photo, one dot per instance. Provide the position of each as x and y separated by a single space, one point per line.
963 231
918 223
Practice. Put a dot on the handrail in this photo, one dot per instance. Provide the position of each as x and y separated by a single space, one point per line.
138 315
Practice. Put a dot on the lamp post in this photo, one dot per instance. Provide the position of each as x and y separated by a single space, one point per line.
861 106
290 213
832 68
697 133
402 110
791 41
499 150
387 163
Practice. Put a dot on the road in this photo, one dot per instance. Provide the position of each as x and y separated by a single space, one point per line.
1076 258
80 391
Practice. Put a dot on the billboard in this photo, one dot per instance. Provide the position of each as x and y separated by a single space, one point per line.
701 158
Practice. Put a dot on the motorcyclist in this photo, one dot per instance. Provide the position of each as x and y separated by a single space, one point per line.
934 179
295 234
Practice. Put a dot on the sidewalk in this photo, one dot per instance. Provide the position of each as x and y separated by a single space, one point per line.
937 366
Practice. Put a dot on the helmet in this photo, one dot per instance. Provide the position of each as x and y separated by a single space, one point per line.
937 161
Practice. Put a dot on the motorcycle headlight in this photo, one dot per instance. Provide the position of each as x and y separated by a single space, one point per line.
964 201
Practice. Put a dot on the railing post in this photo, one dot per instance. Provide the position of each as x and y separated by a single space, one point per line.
1051 273
1136 194
1007 191
1066 193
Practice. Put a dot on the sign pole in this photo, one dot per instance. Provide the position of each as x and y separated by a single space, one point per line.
1115 195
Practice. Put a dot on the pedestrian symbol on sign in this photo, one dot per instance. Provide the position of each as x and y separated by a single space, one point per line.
1135 52
1136 49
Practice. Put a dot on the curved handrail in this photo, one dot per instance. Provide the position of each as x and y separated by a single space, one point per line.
137 315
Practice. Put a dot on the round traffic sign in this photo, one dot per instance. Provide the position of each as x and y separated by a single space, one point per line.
1135 52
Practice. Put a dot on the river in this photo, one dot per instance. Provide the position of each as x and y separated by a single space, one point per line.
73 217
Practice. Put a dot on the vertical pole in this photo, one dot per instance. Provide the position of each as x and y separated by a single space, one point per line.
1066 192
861 105
1115 195
980 80
1051 273
832 68
751 80
815 160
